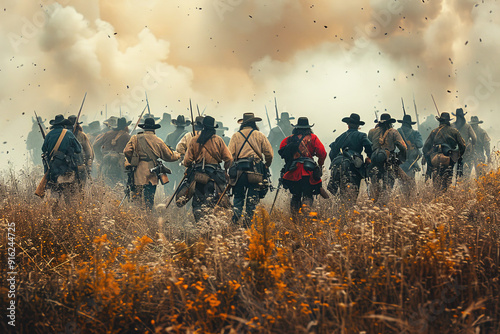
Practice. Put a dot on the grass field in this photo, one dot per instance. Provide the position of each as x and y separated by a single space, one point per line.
429 266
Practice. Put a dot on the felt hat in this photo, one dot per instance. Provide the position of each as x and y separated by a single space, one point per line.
475 120
221 126
72 120
285 116
445 117
407 119
249 117
209 122
386 118
181 121
59 120
149 124
121 124
459 113
303 123
353 119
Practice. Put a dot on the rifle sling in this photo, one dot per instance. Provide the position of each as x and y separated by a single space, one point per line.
59 141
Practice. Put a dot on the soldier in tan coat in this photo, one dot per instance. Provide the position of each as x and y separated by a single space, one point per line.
385 139
86 158
203 157
468 134
142 152
252 154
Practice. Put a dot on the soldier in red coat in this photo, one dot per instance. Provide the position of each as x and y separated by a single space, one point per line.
302 174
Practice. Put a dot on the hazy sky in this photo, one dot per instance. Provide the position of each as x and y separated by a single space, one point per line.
321 59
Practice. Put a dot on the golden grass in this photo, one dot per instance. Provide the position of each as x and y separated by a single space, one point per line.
426 267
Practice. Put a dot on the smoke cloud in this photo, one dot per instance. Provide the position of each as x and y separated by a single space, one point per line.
319 59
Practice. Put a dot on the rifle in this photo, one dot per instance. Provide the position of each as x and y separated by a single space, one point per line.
276 108
130 183
161 171
176 191
42 131
203 112
435 105
79 113
416 113
404 111
268 120
197 108
280 183
147 104
137 123
192 118
376 116
40 190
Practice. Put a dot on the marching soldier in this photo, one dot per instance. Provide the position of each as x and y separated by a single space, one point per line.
347 169
414 143
302 175
166 126
385 139
109 150
174 137
142 152
470 138
205 152
482 147
252 155
33 140
59 149
86 158
444 147
184 142
93 129
276 136
220 132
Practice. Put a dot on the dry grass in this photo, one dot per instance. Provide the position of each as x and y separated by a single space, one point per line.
426 267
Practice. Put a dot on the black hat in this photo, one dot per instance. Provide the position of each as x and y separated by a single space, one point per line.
353 119
221 126
181 121
303 123
386 118
111 122
209 122
199 120
407 119
475 120
149 124
121 124
59 120
285 116
445 117
72 120
459 113
249 117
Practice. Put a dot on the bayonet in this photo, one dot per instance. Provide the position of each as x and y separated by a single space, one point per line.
137 123
268 120
40 125
147 104
203 112
192 118
439 114
198 109
79 113
404 111
416 113
276 108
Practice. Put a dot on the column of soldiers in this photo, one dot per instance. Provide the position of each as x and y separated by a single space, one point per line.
199 148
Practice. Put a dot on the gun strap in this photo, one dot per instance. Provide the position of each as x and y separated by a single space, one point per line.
246 141
143 146
208 151
381 140
403 135
59 141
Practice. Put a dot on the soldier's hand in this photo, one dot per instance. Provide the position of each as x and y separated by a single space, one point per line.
368 161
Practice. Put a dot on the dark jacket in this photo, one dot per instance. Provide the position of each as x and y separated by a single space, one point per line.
444 134
354 140
68 145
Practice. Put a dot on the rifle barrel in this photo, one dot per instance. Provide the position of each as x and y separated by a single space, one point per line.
439 114
79 113
192 118
40 125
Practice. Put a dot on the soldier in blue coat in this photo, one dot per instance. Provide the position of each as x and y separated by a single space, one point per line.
414 143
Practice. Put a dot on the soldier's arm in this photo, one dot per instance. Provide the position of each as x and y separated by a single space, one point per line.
320 151
460 142
232 145
419 143
87 148
182 145
428 144
225 154
367 144
267 150
74 143
189 157
399 143
129 148
167 154
472 136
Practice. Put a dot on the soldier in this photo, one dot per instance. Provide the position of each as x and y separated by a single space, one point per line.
205 152
182 145
276 135
220 132
93 129
427 126
166 126
414 143
109 150
142 152
252 155
302 175
173 138
59 149
470 138
385 163
482 148
347 167
86 157
33 140
441 152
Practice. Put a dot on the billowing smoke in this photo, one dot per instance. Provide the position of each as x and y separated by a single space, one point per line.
321 59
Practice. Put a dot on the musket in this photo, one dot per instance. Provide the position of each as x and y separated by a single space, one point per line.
226 189
40 125
439 114
79 113
176 191
276 196
276 108
198 109
268 120
404 111
416 113
120 111
147 104
376 116
192 118
203 112
137 123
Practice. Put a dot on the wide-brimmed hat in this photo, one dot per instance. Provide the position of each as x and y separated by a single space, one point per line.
181 121
406 119
72 119
353 119
59 120
302 123
445 117
386 118
209 122
94 127
221 126
285 116
249 117
121 124
111 122
149 124
459 113
475 120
